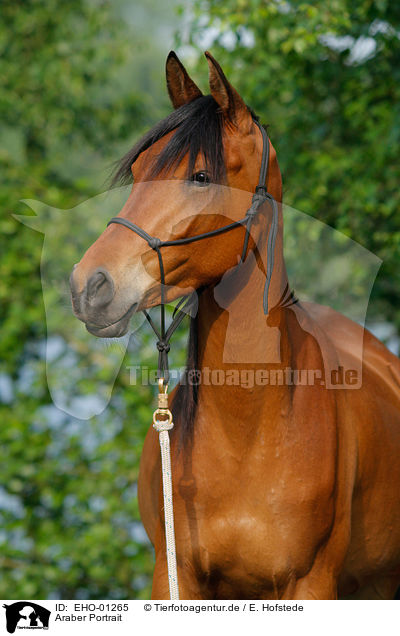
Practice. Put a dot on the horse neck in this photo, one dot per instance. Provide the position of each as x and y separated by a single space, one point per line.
236 339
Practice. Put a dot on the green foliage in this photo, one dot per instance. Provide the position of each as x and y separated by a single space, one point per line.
326 77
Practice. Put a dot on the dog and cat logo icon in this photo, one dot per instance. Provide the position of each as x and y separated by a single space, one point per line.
26 615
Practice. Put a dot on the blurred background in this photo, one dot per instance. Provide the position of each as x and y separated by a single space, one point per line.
80 81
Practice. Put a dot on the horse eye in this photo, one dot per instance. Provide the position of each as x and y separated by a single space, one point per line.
201 178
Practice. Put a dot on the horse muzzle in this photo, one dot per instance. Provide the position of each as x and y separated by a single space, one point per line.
93 304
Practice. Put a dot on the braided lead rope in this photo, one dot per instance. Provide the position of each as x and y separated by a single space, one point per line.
162 427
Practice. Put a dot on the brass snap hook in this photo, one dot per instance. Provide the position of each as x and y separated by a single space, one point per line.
162 416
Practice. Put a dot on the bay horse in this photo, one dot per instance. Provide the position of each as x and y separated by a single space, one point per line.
281 490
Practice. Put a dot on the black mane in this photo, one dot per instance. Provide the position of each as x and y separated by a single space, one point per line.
199 130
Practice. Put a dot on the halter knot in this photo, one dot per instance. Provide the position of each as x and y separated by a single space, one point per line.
258 198
163 346
154 242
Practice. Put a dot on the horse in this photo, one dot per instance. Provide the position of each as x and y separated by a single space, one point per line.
281 490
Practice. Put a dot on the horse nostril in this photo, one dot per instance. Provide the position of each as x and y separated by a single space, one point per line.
100 288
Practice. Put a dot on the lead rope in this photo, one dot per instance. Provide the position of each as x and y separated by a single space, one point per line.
162 426
162 423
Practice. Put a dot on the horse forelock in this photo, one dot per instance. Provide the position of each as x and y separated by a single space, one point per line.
199 127
199 130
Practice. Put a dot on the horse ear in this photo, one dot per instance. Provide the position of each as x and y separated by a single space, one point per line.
181 88
229 100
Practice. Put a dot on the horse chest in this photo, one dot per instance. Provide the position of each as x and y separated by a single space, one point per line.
258 525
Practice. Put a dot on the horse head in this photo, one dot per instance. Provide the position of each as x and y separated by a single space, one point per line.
184 173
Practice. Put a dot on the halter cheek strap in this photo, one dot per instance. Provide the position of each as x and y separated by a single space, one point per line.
260 196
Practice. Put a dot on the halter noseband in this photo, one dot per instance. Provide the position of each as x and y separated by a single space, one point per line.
259 197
